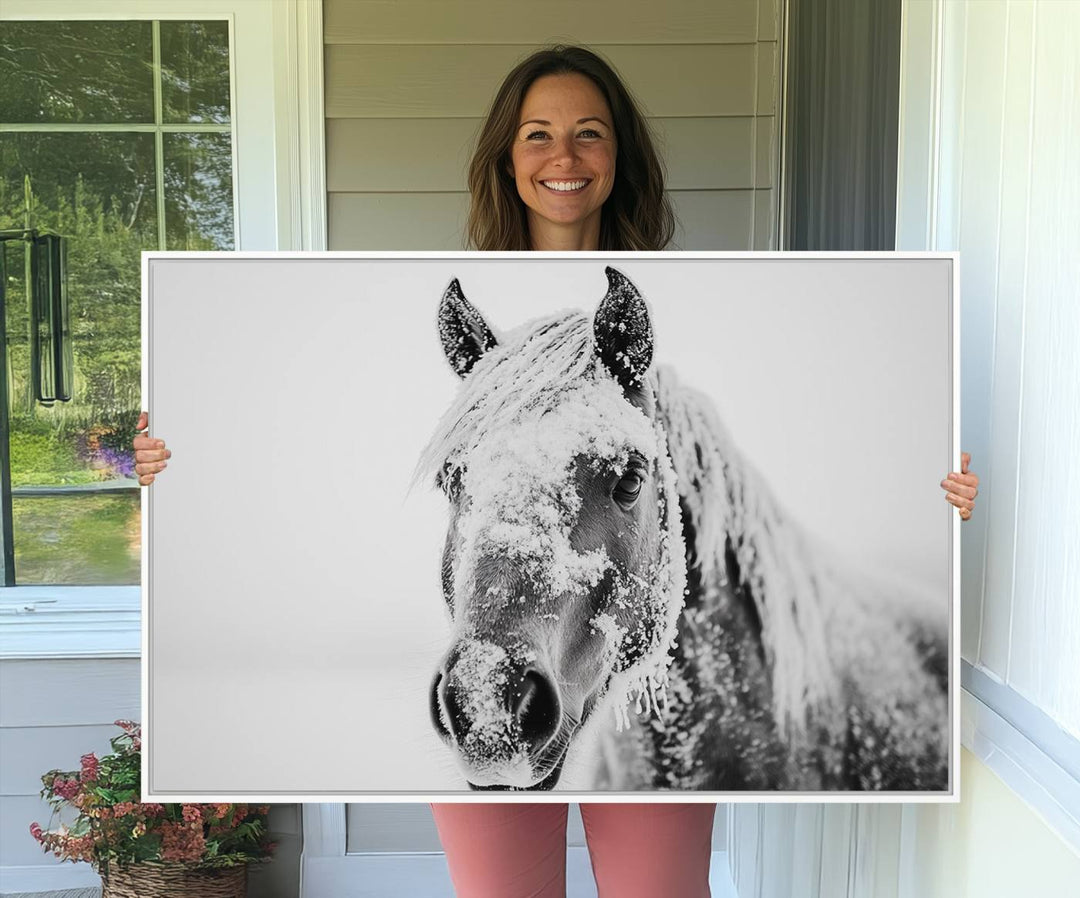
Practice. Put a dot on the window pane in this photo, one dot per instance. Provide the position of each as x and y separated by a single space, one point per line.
198 192
195 71
79 540
98 191
76 72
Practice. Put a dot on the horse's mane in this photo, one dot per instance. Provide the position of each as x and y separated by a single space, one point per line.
527 369
731 507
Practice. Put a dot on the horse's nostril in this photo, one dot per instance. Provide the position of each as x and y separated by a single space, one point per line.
446 711
536 708
435 705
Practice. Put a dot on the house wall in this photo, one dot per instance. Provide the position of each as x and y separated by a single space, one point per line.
990 845
407 85
989 138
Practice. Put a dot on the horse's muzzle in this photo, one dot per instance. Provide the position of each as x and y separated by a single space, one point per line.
498 713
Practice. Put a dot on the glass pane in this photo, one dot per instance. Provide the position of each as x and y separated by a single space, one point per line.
79 540
98 190
195 71
76 72
198 192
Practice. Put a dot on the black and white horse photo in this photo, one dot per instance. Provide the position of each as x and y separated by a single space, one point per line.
615 570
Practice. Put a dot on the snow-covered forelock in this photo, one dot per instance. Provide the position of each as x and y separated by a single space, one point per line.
521 498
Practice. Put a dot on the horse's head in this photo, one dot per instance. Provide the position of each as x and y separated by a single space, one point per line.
563 567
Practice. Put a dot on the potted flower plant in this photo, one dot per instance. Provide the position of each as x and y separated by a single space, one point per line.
142 850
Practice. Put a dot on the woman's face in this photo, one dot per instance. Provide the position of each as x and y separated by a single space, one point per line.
563 154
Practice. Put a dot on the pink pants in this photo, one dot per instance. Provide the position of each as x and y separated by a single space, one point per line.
519 850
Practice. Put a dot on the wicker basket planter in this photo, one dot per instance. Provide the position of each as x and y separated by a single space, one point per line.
147 880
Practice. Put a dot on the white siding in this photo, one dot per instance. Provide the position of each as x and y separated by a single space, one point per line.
51 713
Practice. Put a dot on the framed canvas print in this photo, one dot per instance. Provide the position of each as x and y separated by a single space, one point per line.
515 527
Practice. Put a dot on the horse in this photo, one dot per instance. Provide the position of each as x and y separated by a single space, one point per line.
609 547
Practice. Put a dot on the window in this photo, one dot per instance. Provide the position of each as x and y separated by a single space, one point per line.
118 136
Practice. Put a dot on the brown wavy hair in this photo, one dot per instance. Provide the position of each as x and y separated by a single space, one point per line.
636 216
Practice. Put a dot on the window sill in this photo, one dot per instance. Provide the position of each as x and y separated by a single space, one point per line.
1001 728
70 622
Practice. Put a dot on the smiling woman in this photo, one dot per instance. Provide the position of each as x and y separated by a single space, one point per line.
560 118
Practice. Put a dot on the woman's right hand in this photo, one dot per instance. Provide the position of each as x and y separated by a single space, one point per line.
150 453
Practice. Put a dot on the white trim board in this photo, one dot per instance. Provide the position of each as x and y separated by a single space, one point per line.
69 622
301 125
1049 789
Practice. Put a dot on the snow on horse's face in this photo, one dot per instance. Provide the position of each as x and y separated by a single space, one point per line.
557 567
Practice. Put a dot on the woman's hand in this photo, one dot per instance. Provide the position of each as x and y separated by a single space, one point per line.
961 489
150 454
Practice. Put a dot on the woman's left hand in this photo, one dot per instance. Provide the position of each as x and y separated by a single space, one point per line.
961 489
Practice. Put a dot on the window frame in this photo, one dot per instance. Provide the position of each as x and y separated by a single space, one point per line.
276 94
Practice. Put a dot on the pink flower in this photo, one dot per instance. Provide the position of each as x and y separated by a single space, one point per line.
36 832
192 814
67 789
89 768
181 841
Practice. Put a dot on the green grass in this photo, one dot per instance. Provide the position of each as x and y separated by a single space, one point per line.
84 540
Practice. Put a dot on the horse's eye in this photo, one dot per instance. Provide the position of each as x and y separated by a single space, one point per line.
627 489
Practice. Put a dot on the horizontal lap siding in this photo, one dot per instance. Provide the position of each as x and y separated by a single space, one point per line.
51 713
707 219
530 23
28 752
408 84
52 693
380 155
460 80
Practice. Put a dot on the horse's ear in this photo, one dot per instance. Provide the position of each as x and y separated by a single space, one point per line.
464 333
623 332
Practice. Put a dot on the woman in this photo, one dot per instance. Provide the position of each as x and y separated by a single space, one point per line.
565 162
